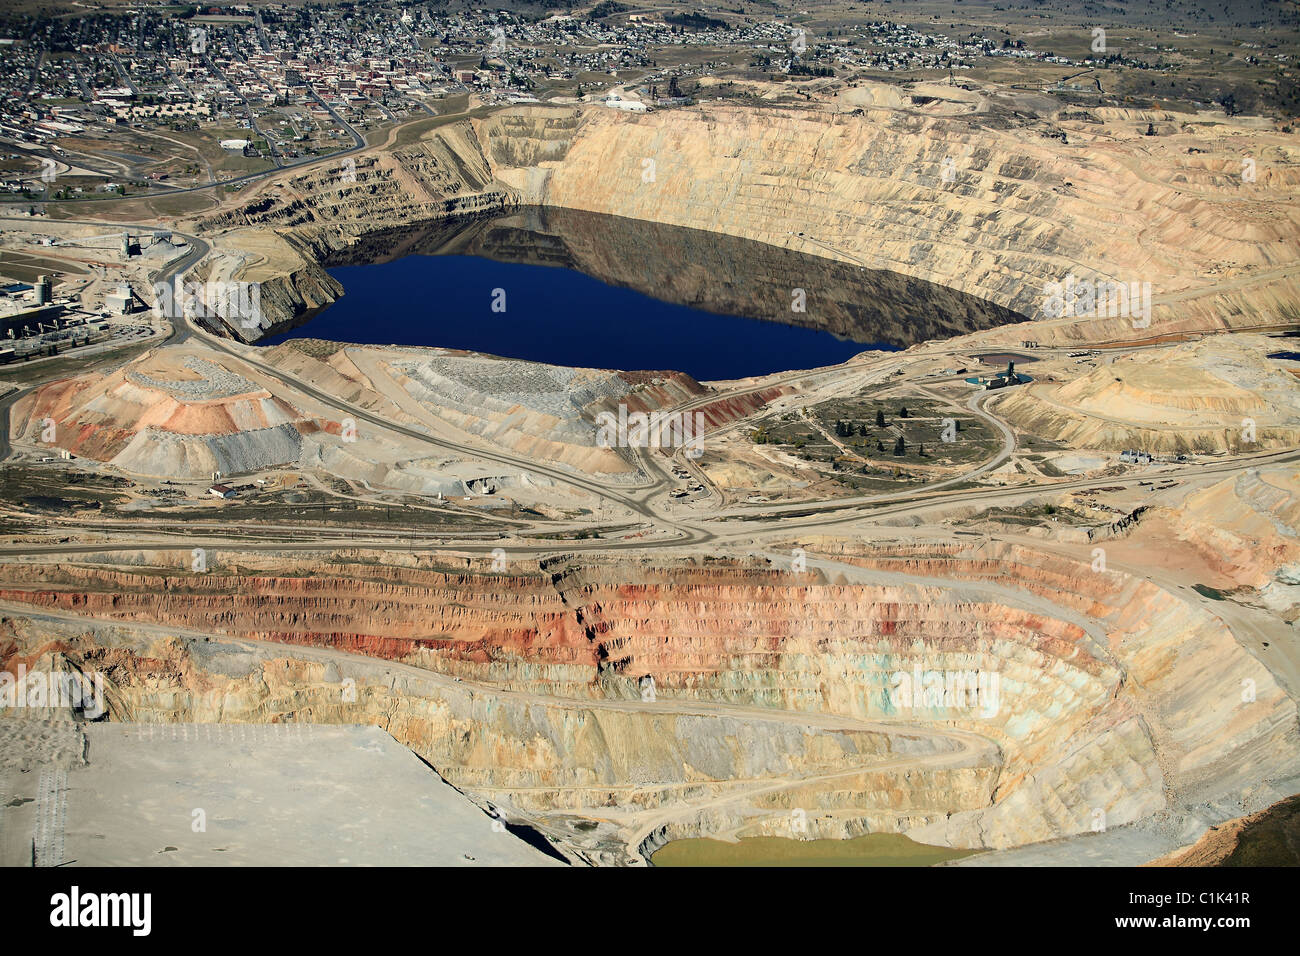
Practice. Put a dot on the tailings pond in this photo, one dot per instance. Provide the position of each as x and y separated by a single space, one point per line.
874 849
580 289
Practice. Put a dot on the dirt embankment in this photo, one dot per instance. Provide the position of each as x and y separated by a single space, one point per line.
1268 838
1220 394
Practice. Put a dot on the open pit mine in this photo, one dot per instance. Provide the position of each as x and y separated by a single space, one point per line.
1011 578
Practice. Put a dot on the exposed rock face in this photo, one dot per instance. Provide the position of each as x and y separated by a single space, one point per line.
1021 210
293 285
1178 667
1114 697
545 757
1248 529
298 293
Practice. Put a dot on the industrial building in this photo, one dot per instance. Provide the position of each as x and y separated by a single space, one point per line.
1009 377
32 321
121 300
40 293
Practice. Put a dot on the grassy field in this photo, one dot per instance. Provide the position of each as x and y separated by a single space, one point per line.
141 209
451 110
932 433
19 265
855 454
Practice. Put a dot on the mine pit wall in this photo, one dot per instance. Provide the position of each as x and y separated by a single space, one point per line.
1024 210
528 756
291 293
1152 718
838 648
1182 671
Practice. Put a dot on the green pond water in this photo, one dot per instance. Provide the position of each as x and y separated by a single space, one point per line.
874 849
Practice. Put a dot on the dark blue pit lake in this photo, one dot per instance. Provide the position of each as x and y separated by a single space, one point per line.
557 316
590 290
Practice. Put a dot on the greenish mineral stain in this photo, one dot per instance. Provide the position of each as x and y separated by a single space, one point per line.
874 849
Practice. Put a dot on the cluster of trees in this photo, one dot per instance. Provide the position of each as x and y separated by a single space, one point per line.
846 429
803 69
674 90
606 8
695 21
900 447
